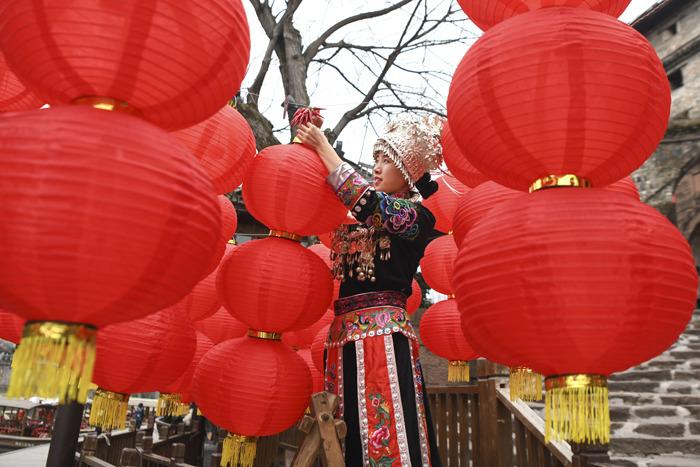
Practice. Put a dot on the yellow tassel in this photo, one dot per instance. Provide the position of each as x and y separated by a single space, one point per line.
53 360
171 404
238 451
109 410
457 371
577 409
199 413
525 384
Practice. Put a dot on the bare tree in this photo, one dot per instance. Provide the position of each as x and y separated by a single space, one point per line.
394 84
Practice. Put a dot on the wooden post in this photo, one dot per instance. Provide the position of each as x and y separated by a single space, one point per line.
588 455
177 453
129 458
139 439
64 441
163 431
488 412
147 444
505 435
89 445
323 433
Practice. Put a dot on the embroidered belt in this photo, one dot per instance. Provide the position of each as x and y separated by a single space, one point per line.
369 322
361 301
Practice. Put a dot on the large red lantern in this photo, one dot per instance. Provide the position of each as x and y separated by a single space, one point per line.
559 96
159 348
285 189
126 226
174 62
486 13
251 387
275 285
11 327
459 165
221 326
441 333
570 281
625 186
14 95
444 202
437 264
225 146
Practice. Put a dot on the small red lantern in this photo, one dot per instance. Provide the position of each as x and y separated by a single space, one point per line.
318 348
11 327
285 189
175 62
14 95
229 224
414 301
203 300
569 282
225 146
559 96
316 375
437 264
458 164
183 385
625 186
304 338
221 326
444 202
441 333
486 13
83 261
287 287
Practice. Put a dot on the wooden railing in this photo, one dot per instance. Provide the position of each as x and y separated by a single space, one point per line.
454 411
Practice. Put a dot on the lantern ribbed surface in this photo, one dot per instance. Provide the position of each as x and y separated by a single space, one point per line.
183 384
625 186
203 300
414 300
176 61
570 281
486 13
11 326
304 338
559 91
286 189
437 264
318 348
457 162
275 285
441 332
443 203
229 224
221 326
316 375
127 222
252 387
14 95
225 146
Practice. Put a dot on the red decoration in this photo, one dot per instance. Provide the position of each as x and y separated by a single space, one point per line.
414 301
138 247
625 186
285 189
487 13
306 115
318 348
183 384
287 287
304 338
323 252
437 264
176 62
225 146
14 95
203 300
559 91
11 327
229 224
221 326
444 202
159 349
474 205
441 332
316 375
252 387
458 164
570 281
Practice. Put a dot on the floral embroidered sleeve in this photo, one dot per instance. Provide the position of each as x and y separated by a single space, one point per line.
394 215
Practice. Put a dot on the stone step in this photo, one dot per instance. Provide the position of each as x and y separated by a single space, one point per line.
685 354
661 364
652 411
647 446
632 398
639 375
672 399
661 430
633 386
656 461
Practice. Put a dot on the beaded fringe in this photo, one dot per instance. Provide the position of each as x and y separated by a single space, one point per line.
171 404
578 413
457 371
109 410
238 451
525 384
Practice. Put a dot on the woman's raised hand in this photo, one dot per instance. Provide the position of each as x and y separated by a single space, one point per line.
312 136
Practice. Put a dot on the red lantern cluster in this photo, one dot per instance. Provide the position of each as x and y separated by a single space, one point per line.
437 264
459 165
444 202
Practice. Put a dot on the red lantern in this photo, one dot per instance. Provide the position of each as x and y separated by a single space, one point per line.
203 300
225 146
304 338
559 96
441 333
287 287
160 348
443 203
285 189
174 62
473 206
221 326
569 282
437 264
625 186
229 224
183 384
251 387
316 375
458 164
83 261
318 347
14 95
414 301
487 13
323 252
11 327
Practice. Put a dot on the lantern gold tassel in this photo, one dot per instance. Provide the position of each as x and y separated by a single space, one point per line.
457 371
525 384
109 409
238 451
54 360
171 404
577 409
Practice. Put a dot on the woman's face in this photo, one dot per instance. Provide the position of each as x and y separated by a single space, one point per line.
387 177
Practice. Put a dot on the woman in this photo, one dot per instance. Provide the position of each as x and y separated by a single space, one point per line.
372 350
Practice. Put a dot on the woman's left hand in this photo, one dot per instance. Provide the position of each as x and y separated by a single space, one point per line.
311 136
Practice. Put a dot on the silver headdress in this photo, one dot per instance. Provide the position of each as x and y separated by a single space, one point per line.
413 145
